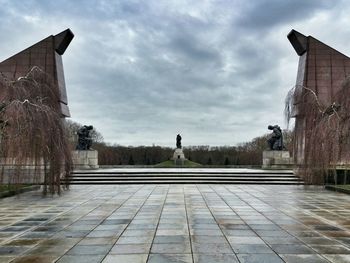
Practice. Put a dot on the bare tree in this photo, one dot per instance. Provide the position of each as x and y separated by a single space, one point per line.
32 131
326 131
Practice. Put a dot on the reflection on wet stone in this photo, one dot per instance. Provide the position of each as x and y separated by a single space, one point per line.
166 223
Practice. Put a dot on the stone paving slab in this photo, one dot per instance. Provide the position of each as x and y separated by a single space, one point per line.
177 223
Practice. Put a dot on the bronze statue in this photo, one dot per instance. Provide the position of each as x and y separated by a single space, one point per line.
84 139
178 141
276 140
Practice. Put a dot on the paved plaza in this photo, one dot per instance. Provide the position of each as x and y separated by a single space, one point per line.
177 223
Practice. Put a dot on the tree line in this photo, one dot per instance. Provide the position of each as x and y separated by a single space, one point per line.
247 153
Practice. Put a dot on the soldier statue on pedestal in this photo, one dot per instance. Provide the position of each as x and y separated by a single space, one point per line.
276 140
84 139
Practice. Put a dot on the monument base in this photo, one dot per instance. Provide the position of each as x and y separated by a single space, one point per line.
179 157
85 159
277 160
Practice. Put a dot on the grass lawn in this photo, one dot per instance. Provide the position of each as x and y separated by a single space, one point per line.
6 187
171 164
343 186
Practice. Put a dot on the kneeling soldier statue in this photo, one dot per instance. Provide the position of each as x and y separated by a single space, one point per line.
276 140
84 139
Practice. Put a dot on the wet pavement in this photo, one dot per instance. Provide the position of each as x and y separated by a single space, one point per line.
177 223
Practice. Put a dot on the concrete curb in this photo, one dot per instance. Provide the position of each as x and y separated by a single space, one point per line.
21 190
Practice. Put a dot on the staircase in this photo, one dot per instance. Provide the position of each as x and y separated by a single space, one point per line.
182 176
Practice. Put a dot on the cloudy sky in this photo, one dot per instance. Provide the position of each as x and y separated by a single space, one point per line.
141 71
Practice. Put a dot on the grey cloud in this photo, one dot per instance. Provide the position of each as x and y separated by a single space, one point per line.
263 14
194 50
143 71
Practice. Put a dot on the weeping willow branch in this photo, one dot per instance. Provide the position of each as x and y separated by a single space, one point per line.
32 134
325 130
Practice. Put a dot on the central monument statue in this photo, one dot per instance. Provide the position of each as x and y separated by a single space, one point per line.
84 139
179 156
178 141
276 140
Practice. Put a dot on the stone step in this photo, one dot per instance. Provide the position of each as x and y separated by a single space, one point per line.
177 179
186 182
176 171
182 176
142 180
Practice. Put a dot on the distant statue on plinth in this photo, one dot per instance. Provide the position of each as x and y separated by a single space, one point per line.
84 139
275 142
178 141
179 156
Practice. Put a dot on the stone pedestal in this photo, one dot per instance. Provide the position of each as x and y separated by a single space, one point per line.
85 159
179 157
277 160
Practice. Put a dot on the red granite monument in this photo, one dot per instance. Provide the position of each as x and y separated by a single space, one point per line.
47 55
322 83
